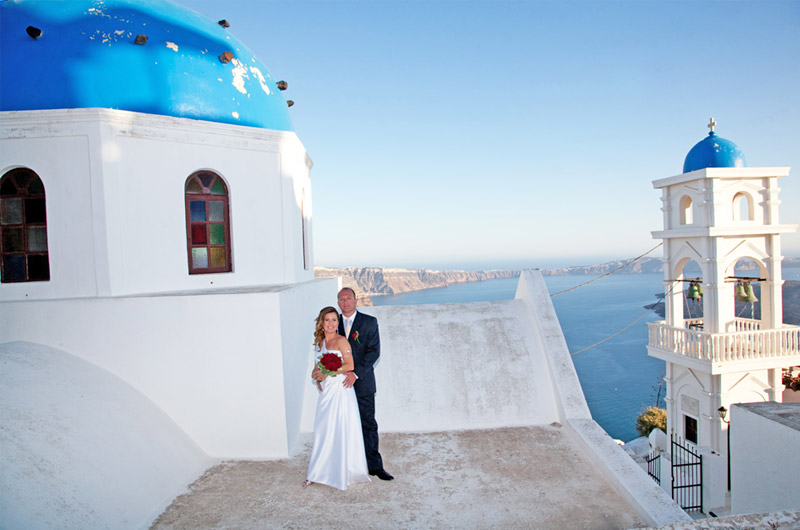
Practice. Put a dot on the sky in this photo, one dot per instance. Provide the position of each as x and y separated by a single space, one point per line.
511 134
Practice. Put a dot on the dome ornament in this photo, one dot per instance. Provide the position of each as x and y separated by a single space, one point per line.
33 32
713 151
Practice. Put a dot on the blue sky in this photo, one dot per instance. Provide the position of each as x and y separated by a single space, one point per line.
494 134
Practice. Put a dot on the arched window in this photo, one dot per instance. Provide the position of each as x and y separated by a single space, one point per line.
23 228
208 233
686 210
742 207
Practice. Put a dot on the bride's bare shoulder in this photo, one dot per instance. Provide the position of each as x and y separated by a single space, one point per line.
342 344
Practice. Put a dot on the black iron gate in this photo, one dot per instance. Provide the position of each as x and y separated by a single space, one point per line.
687 475
654 466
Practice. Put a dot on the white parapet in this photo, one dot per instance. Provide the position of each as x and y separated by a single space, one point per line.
629 480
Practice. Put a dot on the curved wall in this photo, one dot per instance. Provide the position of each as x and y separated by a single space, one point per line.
83 449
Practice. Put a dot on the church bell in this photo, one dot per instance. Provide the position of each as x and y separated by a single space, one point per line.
741 296
749 294
744 293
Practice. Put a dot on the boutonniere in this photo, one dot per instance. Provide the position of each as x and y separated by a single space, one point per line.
355 336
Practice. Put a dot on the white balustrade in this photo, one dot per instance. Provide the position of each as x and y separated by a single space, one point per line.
748 342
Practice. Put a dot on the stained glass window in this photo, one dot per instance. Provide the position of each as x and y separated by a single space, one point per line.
23 228
208 233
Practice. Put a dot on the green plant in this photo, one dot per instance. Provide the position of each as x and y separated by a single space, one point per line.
650 419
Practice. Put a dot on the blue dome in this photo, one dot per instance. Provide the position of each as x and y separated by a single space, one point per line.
86 57
713 151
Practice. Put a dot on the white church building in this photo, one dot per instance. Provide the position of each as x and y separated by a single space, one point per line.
719 214
156 213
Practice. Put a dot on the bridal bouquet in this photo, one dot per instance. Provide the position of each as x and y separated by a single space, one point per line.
329 363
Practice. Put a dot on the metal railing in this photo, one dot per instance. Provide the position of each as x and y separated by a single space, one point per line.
654 466
749 341
687 475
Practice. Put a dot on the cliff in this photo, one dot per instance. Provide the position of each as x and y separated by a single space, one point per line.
368 281
371 281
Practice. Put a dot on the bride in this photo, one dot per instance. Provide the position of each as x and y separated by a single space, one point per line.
337 456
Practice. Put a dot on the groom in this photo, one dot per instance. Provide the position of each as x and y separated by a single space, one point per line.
362 333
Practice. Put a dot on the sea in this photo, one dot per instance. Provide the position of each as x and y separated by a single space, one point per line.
618 378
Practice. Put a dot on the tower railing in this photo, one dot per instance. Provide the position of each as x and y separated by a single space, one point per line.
746 343
747 324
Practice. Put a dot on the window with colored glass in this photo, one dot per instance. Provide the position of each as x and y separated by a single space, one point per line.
208 233
23 228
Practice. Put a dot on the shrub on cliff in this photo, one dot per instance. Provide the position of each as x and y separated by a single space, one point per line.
650 419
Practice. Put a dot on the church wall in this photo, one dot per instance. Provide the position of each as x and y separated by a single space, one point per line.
745 387
259 168
690 392
298 312
64 166
698 395
115 200
213 362
149 253
696 214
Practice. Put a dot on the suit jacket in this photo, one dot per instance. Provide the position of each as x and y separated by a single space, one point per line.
365 342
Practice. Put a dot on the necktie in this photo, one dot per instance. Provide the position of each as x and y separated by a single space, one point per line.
347 324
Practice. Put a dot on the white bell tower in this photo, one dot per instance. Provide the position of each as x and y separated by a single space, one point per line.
716 213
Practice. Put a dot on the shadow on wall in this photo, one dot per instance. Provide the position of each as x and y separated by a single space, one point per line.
83 449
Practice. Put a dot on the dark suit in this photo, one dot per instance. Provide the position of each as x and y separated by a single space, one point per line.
365 342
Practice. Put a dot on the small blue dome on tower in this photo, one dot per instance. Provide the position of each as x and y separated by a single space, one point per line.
149 56
713 151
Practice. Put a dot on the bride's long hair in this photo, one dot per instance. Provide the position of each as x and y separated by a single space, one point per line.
319 333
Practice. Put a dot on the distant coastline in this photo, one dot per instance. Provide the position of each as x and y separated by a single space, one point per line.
379 281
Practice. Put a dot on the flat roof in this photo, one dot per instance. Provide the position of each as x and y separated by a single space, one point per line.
516 477
784 413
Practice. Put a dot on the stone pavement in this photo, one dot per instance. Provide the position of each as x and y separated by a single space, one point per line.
516 477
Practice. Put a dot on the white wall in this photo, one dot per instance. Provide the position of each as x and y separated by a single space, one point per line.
712 191
217 363
765 438
69 210
114 184
82 449
687 387
460 366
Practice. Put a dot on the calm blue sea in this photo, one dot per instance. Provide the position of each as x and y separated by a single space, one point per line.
618 378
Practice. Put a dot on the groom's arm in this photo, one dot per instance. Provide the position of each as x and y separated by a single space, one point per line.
371 340
372 348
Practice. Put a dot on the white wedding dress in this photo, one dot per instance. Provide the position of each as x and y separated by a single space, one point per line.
337 456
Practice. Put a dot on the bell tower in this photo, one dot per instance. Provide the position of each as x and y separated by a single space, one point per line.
719 217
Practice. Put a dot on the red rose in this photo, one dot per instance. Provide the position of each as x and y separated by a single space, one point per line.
329 363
